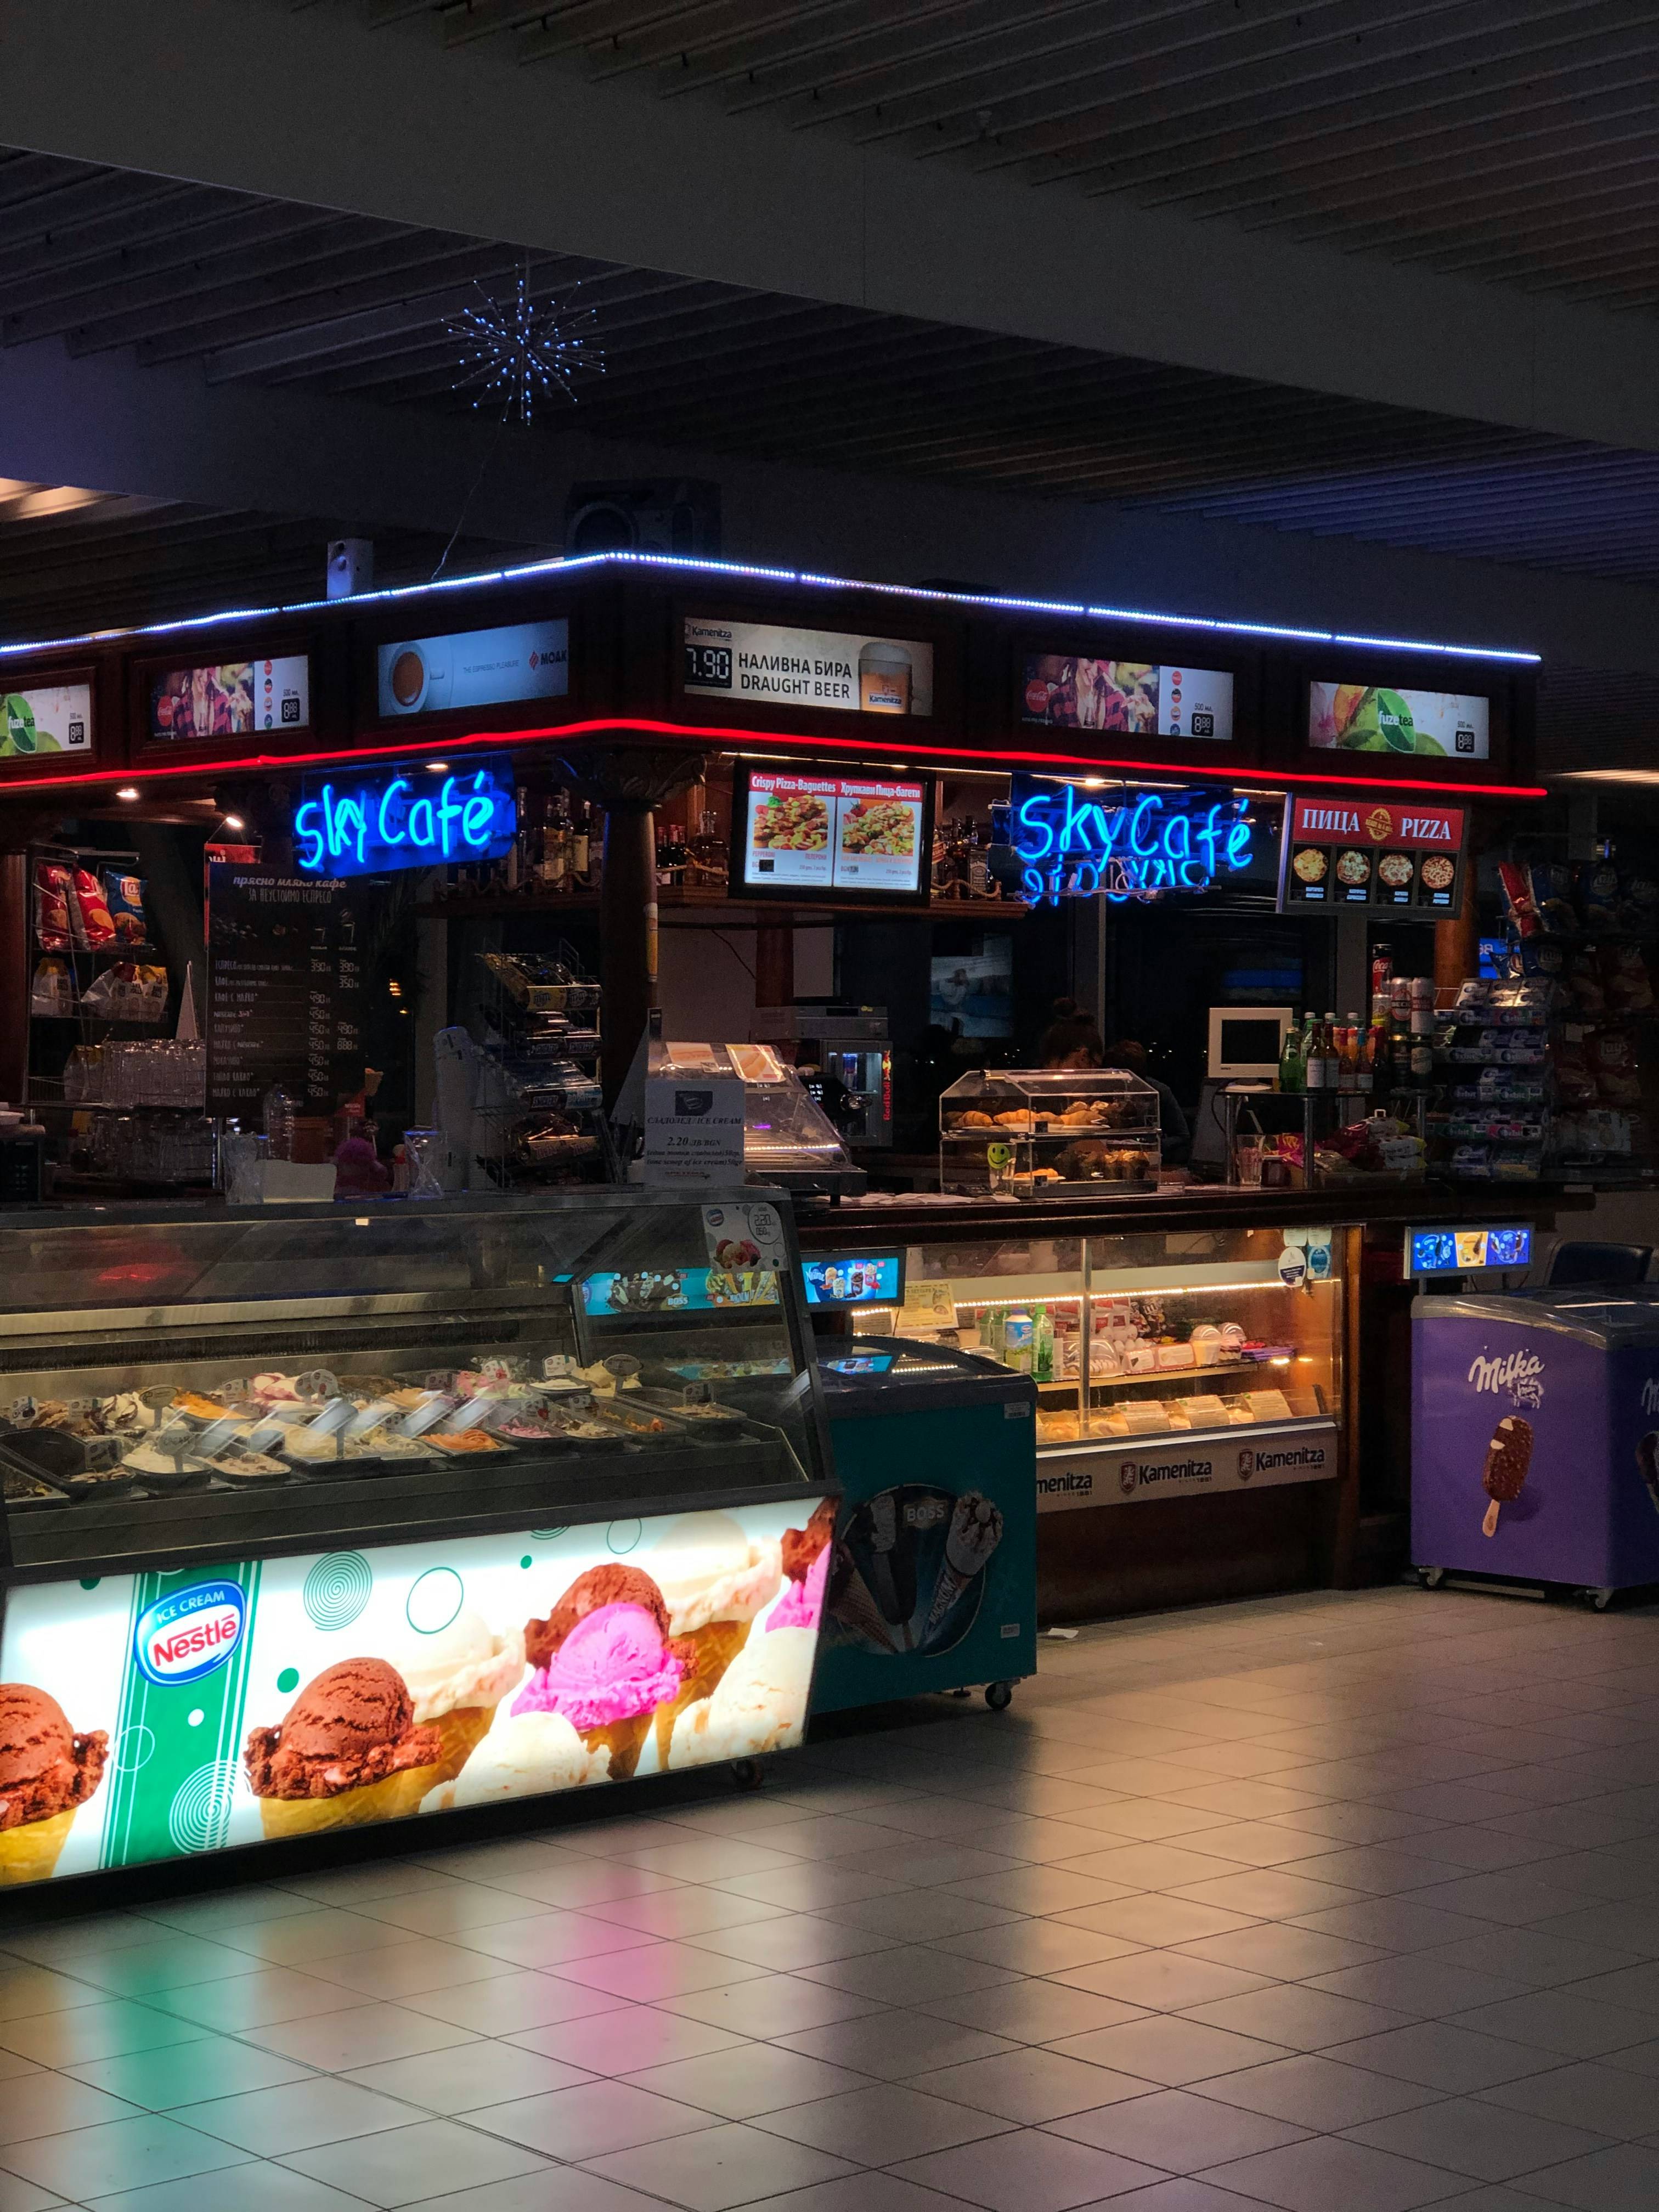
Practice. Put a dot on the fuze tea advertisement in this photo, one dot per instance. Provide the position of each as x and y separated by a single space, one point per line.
158 1715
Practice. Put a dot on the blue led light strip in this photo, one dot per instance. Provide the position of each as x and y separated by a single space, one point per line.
686 564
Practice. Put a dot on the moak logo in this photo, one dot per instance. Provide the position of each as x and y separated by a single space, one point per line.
181 1638
1519 1374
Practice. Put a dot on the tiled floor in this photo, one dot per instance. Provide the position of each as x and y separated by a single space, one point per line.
1336 1904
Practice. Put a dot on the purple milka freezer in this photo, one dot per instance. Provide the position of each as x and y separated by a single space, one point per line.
1576 1376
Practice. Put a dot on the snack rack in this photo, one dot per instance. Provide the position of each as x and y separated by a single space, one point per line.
142 1093
1492 1120
538 1118
1037 1132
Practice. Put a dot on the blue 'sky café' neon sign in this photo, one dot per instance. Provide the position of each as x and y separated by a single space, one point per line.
1131 846
405 816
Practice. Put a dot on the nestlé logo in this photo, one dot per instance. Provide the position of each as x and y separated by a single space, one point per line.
181 1638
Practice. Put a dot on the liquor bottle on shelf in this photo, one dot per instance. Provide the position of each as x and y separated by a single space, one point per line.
581 836
1290 1065
706 864
1316 1067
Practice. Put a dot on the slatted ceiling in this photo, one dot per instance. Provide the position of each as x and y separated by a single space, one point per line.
1511 140
263 292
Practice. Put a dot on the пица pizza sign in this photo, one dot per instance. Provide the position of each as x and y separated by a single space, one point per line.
1372 853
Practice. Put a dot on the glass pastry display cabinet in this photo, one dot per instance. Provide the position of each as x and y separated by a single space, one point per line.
1046 1133
315 1521
1189 1386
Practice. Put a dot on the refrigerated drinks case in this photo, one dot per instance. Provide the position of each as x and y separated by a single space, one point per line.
1163 1362
1048 1132
787 1141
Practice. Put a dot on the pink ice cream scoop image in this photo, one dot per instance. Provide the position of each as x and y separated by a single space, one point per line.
802 1603
611 1665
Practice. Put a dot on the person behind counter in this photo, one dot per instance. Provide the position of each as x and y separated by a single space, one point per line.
1174 1133
1071 1039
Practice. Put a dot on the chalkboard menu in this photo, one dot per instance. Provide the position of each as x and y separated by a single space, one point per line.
284 990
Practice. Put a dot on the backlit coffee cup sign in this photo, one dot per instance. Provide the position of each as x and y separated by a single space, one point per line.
474 668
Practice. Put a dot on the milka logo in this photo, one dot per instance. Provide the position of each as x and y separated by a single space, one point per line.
181 1638
1651 1394
1519 1373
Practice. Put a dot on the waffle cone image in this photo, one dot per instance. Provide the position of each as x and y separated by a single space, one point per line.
976 1531
391 1799
459 1734
347 1753
625 1740
30 1853
47 1773
709 1651
854 1606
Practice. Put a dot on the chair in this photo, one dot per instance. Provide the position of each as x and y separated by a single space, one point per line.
1575 1262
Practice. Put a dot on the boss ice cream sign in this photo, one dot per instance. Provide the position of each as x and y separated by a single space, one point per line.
182 1637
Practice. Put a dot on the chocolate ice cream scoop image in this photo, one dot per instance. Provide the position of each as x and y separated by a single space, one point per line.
801 1546
1507 1457
45 1769
352 1726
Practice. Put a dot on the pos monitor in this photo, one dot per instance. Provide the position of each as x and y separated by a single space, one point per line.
1246 1042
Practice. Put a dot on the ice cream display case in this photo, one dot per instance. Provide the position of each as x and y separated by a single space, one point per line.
1048 1133
314 1521
1535 1437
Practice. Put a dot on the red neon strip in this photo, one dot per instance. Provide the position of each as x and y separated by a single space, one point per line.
505 740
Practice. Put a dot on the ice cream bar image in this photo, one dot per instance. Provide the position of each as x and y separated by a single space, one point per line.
1647 1462
1507 1457
976 1531
891 1576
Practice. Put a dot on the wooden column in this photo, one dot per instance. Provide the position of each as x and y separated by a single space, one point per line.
629 783
774 960
628 938
14 976
25 826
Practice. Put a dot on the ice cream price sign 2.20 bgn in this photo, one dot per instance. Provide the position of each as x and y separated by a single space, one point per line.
158 1715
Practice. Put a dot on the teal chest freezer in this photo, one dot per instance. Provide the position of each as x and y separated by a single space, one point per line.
933 1580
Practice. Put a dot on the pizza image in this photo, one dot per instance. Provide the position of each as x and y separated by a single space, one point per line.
1309 864
1394 869
797 824
1438 872
1379 824
1354 867
885 826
